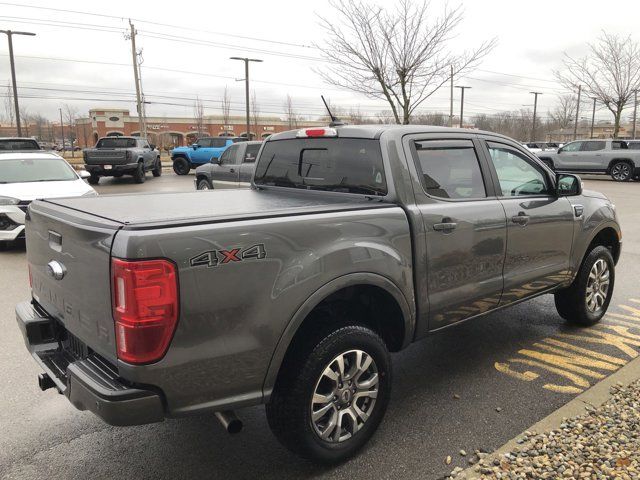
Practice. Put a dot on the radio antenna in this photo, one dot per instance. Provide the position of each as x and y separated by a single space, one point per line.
335 121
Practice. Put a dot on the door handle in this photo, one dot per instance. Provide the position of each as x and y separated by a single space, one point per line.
446 226
232 170
521 219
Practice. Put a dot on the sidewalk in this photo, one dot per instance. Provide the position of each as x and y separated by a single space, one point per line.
594 436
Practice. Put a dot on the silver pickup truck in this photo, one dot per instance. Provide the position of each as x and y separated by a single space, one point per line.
353 242
610 157
117 156
234 168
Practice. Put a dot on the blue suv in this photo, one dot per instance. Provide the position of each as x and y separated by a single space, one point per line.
203 151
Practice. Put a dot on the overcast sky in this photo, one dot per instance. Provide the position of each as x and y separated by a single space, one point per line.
532 37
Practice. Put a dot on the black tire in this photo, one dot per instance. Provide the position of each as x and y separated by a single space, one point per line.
203 184
289 410
157 168
139 175
621 171
571 302
93 179
181 166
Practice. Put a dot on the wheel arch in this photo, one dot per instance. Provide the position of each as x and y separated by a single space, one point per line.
369 283
607 234
620 159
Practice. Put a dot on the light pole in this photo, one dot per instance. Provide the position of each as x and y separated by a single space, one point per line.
462 89
535 112
635 110
575 125
593 115
62 128
10 34
246 83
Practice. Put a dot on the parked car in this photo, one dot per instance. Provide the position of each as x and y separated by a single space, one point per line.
117 156
234 168
27 176
18 144
610 157
353 242
536 147
201 152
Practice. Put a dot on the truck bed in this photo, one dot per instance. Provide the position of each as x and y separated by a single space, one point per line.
183 208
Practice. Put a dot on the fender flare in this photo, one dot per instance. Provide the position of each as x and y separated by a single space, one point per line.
596 231
344 281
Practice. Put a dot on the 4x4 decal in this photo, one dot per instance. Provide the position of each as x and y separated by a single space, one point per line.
213 258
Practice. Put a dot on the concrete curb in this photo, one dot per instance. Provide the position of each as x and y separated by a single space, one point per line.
594 397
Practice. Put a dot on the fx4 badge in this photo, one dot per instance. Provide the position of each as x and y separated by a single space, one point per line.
213 258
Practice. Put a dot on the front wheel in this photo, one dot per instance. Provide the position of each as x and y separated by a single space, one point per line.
157 168
181 166
331 394
204 184
93 179
621 171
587 299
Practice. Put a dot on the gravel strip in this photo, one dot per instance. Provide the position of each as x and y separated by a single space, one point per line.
603 443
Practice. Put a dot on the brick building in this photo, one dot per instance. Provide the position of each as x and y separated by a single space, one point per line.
168 132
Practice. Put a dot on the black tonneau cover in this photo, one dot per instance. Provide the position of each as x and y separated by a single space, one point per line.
161 209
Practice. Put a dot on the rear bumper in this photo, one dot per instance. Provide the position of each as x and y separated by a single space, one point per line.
88 381
107 172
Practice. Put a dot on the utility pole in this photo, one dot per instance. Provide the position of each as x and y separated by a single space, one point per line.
635 111
535 113
9 35
134 57
462 89
593 116
246 84
451 101
575 125
62 128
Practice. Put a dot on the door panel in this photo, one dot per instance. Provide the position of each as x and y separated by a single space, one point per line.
465 231
571 158
228 172
539 224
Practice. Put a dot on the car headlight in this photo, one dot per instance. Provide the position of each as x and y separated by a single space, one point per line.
90 193
9 201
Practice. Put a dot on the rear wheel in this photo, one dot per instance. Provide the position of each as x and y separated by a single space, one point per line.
621 171
203 184
139 176
181 166
332 394
93 179
157 168
587 299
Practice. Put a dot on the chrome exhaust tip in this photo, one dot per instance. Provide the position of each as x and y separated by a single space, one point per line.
229 421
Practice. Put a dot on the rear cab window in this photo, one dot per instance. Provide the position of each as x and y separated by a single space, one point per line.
18 144
345 165
116 142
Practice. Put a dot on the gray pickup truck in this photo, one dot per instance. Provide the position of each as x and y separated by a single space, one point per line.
609 157
117 156
353 242
234 168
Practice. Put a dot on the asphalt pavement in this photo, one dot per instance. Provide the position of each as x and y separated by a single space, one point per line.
471 387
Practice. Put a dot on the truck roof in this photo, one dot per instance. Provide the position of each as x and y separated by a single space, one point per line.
375 130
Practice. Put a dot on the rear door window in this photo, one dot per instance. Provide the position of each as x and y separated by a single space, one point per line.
346 165
251 153
450 169
218 142
593 146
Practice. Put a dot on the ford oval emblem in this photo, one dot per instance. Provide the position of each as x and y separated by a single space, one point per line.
56 269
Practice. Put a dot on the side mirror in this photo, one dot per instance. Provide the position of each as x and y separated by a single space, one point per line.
152 146
84 174
560 150
568 185
195 146
216 161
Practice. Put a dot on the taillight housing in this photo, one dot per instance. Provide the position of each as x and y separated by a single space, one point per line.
145 308
317 132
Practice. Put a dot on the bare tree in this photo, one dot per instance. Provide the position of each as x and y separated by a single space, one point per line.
565 111
399 55
8 105
438 119
255 114
226 108
610 72
70 114
198 115
290 114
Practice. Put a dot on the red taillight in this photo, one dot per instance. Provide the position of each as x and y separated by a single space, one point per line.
145 308
317 132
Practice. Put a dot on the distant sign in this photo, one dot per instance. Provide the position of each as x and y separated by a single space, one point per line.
114 119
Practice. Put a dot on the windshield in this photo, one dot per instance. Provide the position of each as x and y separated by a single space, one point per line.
346 165
9 144
115 142
35 170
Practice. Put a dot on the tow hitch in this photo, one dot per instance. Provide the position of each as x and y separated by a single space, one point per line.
45 382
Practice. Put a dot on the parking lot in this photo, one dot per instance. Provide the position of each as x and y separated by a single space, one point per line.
469 388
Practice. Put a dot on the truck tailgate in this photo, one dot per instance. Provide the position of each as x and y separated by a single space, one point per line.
80 299
110 156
